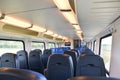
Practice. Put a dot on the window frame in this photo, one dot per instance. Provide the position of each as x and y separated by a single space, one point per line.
101 41
91 45
94 45
15 40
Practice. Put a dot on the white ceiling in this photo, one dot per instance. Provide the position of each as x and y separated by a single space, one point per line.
40 12
95 15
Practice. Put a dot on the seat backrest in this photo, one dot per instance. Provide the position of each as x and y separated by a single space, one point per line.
74 58
19 74
90 65
22 59
46 54
88 51
35 61
75 50
60 67
8 60
65 48
59 51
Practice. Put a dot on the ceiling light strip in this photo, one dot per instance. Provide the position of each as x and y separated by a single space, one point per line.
14 21
62 4
38 28
70 17
66 10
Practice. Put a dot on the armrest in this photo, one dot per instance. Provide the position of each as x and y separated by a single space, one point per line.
45 72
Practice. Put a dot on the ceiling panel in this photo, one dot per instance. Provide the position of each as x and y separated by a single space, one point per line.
13 6
40 12
52 20
98 14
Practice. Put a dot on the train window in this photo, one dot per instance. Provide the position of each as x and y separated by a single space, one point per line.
105 49
37 45
11 46
51 45
91 45
94 46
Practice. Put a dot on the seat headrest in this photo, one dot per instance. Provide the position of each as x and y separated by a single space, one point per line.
8 54
60 58
20 74
21 52
47 51
36 51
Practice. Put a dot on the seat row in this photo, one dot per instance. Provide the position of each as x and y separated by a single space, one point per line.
34 61
19 74
60 66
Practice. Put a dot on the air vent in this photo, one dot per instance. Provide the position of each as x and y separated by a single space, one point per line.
58 39
47 36
18 30
65 10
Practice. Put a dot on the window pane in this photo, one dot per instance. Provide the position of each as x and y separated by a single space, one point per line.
10 46
37 45
91 46
94 47
106 44
51 45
